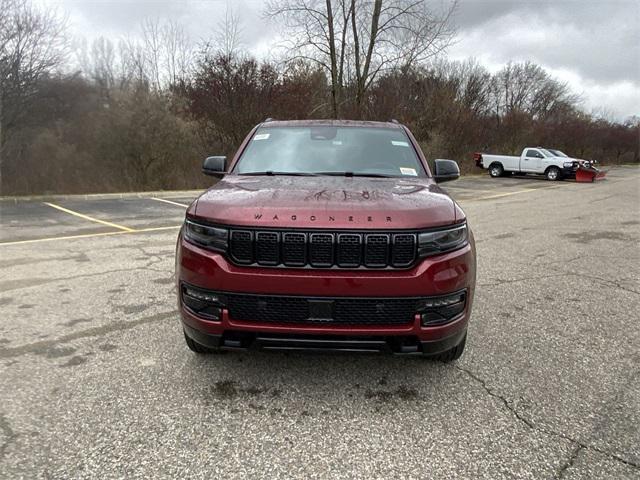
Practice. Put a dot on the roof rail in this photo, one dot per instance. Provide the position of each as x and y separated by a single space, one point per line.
393 120
268 120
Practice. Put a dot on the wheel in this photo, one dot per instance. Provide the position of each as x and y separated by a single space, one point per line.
452 354
496 170
552 173
196 347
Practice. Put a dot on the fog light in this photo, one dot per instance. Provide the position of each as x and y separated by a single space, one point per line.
206 297
204 304
441 310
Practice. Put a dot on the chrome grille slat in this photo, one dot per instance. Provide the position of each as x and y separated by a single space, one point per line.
321 249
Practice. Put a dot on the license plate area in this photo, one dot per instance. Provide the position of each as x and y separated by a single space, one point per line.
320 310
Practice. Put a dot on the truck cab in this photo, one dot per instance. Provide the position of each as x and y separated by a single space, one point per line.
532 159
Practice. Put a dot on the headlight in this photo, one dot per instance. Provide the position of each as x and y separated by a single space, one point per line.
568 164
214 238
440 241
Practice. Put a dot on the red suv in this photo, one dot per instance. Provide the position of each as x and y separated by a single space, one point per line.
327 235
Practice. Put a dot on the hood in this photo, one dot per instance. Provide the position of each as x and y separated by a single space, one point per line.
327 202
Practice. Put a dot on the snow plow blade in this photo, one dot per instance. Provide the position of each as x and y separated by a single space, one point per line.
589 174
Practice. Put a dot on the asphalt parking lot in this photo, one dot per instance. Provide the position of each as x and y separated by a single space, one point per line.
96 381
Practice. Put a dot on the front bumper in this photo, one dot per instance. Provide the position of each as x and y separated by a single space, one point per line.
438 275
244 340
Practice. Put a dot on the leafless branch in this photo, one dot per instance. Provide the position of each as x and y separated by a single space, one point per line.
357 39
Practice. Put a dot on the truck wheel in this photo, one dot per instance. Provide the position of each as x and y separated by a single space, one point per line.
496 170
453 354
552 174
196 347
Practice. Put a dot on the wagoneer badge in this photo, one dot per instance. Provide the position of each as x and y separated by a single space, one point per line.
313 218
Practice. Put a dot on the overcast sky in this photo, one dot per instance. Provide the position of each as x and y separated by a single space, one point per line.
592 45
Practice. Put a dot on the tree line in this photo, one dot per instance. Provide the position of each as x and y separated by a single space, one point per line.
141 112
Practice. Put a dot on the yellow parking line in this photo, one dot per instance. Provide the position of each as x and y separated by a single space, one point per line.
470 190
525 190
87 217
508 194
169 201
90 235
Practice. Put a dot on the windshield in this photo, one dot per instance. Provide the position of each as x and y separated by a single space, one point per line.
557 153
546 153
331 150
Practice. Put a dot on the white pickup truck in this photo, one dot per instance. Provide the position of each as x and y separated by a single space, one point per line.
553 164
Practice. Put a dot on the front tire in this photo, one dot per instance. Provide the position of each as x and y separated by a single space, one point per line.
552 174
496 170
452 354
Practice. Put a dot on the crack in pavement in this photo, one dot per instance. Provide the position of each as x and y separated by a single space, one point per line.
599 279
8 432
611 283
569 463
90 332
154 258
499 282
577 443
9 285
626 258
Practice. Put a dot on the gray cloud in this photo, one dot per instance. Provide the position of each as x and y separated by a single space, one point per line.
598 40
93 18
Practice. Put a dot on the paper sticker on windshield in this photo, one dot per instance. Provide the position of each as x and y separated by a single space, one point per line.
398 143
261 136
408 171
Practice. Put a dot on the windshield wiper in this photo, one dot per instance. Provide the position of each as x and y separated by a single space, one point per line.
355 174
272 173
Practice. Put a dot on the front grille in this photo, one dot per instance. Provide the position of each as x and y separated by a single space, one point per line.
323 249
267 251
349 250
294 249
404 248
340 310
376 250
242 246
268 309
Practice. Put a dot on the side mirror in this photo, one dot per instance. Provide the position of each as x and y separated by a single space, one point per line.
446 170
214 166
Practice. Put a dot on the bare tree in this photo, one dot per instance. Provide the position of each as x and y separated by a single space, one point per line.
134 60
152 43
229 32
177 52
161 56
99 62
528 88
355 40
32 46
